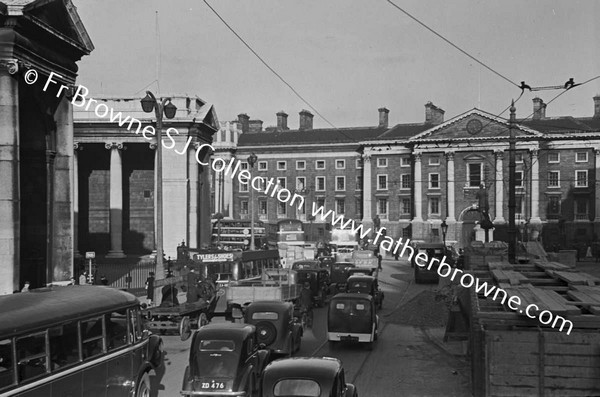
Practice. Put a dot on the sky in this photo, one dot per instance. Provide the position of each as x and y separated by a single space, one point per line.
347 58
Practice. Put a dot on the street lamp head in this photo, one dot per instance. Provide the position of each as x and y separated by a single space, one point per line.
444 226
148 103
170 110
252 159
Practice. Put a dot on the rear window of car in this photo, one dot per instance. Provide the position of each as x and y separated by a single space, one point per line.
265 316
217 345
297 387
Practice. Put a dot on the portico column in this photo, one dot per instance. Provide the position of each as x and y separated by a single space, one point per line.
597 186
116 201
418 189
367 188
76 148
10 200
499 211
193 204
535 188
218 198
228 192
450 187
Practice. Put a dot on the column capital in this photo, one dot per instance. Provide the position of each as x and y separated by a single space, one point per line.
417 156
115 145
152 146
449 155
366 157
597 152
77 146
534 153
499 153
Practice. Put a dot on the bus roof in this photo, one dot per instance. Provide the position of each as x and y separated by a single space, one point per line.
38 308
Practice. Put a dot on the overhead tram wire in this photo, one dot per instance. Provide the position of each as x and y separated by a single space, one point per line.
270 68
454 45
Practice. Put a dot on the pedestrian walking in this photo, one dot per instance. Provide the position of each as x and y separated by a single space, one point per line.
25 287
379 259
103 280
83 278
588 253
150 288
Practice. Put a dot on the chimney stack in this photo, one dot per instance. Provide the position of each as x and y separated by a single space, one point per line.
255 126
539 109
282 121
597 107
433 114
244 122
383 117
306 120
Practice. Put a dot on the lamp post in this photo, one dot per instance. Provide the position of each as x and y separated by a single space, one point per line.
444 227
164 107
251 161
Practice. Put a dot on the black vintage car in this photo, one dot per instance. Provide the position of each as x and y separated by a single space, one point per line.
225 360
360 284
303 376
276 326
352 318
319 283
339 274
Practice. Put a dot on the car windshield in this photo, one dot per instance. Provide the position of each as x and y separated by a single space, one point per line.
297 387
359 286
265 316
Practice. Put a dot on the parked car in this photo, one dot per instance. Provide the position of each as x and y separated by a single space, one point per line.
304 376
360 284
431 250
352 318
319 283
276 326
226 360
339 274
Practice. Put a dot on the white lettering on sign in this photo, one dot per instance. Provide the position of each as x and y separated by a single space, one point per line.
222 257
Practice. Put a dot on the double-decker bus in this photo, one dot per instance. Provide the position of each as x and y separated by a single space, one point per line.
232 233
288 231
75 341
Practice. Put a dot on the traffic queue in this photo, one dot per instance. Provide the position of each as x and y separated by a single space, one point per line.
265 319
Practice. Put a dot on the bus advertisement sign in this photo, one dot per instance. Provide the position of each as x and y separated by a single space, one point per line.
215 257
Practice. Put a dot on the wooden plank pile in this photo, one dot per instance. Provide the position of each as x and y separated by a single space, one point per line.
514 355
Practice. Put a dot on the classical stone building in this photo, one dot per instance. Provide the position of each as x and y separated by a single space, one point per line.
36 139
414 176
115 164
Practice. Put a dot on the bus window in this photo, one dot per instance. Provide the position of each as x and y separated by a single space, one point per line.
7 373
92 336
136 324
64 348
116 330
31 356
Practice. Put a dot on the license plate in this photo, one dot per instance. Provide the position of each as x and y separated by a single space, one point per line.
349 338
213 385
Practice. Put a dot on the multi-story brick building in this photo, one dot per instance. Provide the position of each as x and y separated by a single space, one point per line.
414 176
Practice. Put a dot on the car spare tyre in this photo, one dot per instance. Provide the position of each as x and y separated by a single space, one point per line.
266 332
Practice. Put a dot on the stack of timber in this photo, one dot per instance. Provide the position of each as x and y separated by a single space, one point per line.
514 355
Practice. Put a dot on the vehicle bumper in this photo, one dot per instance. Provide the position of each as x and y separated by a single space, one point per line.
212 393
351 337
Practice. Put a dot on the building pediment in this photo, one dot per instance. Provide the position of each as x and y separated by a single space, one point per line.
473 125
58 17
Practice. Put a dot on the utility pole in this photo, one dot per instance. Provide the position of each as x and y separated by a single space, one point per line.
512 233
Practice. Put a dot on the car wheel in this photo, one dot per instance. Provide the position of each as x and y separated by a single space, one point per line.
266 332
185 328
143 387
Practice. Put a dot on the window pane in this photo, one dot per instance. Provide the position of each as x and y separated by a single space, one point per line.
64 349
7 373
116 330
475 174
340 183
31 356
359 182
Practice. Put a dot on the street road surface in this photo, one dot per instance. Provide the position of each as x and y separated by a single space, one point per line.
406 360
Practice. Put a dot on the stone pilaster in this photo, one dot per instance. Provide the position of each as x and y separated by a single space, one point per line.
227 199
367 188
76 148
535 188
451 217
116 200
193 214
499 187
10 200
